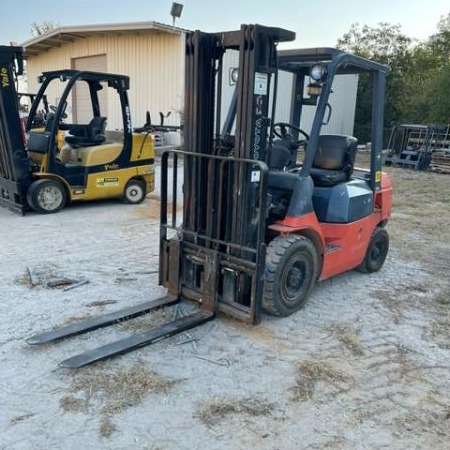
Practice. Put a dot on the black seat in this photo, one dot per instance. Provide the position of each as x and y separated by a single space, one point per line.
85 135
334 159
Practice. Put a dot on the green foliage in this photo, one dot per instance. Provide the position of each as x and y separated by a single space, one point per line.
432 63
37 29
418 85
383 44
387 45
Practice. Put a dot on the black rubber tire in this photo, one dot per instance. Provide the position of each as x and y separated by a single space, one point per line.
292 265
376 251
46 196
134 192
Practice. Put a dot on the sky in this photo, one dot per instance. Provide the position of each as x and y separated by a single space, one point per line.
316 24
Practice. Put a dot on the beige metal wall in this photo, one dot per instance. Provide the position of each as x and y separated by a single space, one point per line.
154 62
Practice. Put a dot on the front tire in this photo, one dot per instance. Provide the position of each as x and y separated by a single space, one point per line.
292 265
134 192
376 251
46 196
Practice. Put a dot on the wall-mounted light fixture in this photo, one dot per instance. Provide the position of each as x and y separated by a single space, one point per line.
175 12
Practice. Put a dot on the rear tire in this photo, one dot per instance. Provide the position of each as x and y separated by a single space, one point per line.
46 196
134 192
292 265
376 251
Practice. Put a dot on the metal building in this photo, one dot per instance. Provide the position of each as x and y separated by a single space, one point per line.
151 53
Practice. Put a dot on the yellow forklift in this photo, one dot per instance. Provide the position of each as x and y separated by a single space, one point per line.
70 155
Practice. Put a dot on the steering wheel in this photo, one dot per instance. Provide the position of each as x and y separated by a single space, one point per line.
280 130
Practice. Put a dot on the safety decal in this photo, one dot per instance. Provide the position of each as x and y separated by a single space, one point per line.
377 176
107 182
261 81
255 176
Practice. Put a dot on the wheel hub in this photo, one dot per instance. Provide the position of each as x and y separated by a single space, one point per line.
295 278
50 198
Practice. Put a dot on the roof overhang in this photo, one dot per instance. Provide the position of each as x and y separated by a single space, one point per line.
59 36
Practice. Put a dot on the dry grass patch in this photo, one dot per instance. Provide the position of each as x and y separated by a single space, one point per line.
346 334
121 389
69 403
113 392
432 417
397 298
74 319
392 301
147 321
421 206
440 332
20 418
213 412
407 368
100 303
443 298
310 373
24 280
107 427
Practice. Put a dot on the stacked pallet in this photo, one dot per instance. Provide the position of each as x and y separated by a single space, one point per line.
440 161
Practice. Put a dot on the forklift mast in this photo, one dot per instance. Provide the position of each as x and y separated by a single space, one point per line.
14 167
220 256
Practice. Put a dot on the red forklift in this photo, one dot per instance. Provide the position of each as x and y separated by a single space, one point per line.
268 208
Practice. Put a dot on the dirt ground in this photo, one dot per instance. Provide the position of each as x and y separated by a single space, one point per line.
365 365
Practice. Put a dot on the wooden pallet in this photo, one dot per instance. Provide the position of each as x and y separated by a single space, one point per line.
440 162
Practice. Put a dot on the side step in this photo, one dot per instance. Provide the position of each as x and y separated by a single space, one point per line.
137 340
101 321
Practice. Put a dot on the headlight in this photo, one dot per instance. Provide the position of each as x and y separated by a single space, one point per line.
234 75
318 72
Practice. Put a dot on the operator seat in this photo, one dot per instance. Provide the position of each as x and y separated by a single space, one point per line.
334 159
86 135
284 182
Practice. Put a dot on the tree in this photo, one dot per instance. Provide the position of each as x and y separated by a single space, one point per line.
439 43
432 64
37 29
385 44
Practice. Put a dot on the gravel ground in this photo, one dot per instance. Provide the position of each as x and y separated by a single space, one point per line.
365 365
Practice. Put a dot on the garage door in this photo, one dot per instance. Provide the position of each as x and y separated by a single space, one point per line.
82 107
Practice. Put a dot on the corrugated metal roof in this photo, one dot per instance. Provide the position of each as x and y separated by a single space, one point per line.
62 35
